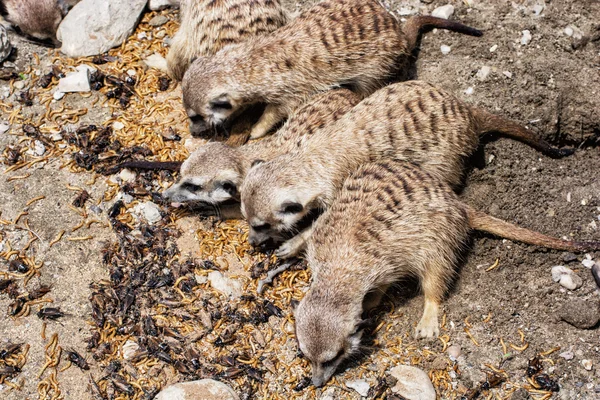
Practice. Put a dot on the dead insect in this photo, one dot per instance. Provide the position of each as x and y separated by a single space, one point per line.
171 135
95 389
130 80
50 313
163 83
5 283
492 381
230 373
38 293
114 93
81 198
272 309
77 359
124 100
121 385
377 391
546 382
31 130
163 356
46 80
16 307
115 210
182 367
254 373
18 265
534 366
97 80
25 98
303 384
113 367
103 59
10 350
13 154
9 371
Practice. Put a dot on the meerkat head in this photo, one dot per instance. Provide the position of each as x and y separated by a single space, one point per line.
328 331
275 202
211 174
209 98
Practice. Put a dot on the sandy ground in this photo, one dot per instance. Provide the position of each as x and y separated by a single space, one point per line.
547 84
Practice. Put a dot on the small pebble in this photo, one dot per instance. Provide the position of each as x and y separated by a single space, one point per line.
445 49
454 351
483 73
205 389
231 287
19 84
538 8
118 125
587 364
131 72
142 36
443 11
58 95
156 61
149 210
469 90
4 127
580 313
412 383
493 48
567 355
569 31
566 277
127 175
569 257
159 20
360 385
129 349
38 148
56 136
588 263
526 38
507 74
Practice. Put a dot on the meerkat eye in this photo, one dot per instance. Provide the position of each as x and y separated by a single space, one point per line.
291 208
229 187
260 228
196 118
191 187
221 104
330 363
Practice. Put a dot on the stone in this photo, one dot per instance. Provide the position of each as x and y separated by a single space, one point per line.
360 385
580 313
155 5
159 20
443 11
57 95
526 37
129 349
149 210
588 263
205 389
4 127
5 46
493 48
567 355
507 74
587 364
230 287
56 136
77 81
469 90
566 277
454 351
538 8
95 26
38 149
127 175
156 61
19 85
412 383
445 49
569 31
483 73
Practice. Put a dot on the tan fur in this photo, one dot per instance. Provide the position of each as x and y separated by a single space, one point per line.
390 220
38 19
356 43
214 164
412 121
209 25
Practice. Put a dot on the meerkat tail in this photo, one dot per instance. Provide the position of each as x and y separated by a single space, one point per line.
486 223
419 25
168 165
488 122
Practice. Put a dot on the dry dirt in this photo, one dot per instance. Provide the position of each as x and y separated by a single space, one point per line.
552 84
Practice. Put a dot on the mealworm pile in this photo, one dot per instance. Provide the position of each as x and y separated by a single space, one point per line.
157 319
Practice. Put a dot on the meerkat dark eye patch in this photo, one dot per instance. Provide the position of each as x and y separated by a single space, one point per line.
330 363
191 187
256 162
229 187
291 208
261 228
221 105
197 119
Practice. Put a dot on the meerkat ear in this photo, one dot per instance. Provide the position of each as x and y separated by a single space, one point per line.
294 303
256 162
291 207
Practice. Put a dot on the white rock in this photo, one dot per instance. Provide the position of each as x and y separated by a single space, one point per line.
526 38
4 127
19 84
443 11
469 90
204 389
567 355
149 210
588 263
412 384
56 136
507 74
57 95
127 175
156 61
569 31
566 277
38 149
538 8
587 364
95 26
328 394
230 287
454 351
483 73
131 72
493 48
445 49
127 198
159 20
160 4
142 36
129 349
118 125
78 81
360 385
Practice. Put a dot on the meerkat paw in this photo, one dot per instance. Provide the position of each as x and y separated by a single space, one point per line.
427 328
291 248
258 132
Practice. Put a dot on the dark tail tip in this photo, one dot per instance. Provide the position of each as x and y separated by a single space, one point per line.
560 153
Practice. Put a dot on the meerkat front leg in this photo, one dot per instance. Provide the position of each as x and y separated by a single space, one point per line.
295 245
270 117
433 288
223 212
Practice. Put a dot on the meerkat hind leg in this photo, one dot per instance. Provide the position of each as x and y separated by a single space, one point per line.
433 288
270 117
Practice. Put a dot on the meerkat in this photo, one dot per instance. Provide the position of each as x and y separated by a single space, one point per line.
412 121
214 173
353 43
209 25
36 19
391 220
